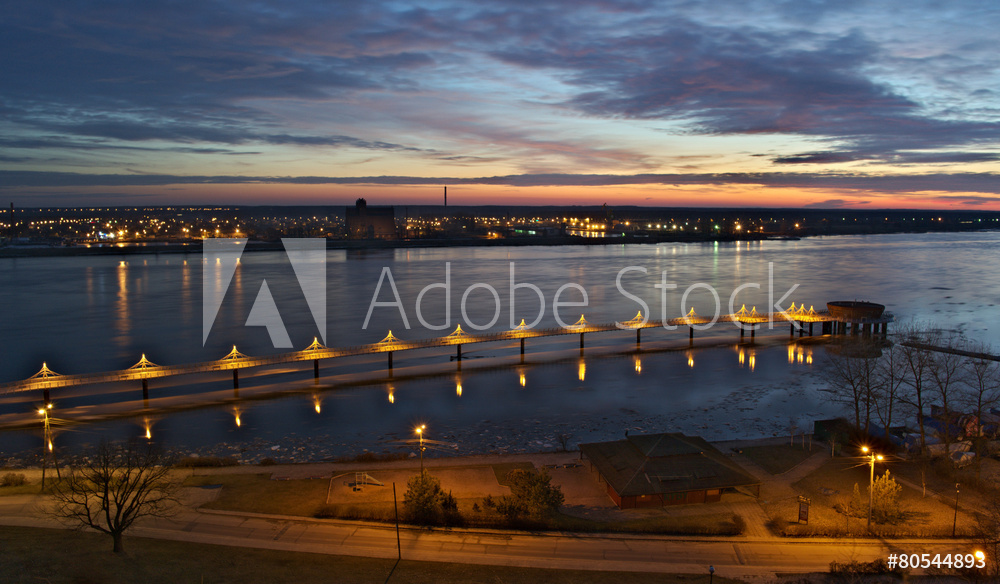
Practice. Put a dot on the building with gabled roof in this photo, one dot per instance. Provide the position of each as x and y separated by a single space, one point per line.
653 470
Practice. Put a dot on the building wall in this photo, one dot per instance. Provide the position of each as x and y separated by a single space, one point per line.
364 222
665 499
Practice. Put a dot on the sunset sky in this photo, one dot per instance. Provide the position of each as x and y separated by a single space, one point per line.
803 103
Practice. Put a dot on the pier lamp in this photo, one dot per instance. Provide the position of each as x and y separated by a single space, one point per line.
420 436
872 457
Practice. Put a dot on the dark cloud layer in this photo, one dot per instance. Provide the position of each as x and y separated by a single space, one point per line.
135 79
944 182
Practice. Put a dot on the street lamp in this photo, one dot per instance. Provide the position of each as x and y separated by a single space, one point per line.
420 435
954 522
47 430
711 574
872 457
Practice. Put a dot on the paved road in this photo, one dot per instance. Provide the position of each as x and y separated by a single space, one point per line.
737 557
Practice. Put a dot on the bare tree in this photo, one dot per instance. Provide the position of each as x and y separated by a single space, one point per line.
916 357
891 374
852 369
119 484
945 367
982 380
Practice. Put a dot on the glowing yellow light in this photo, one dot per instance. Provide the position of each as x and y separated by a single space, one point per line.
690 360
50 446
582 371
809 357
317 407
149 433
753 361
879 457
980 555
392 398
791 355
458 389
522 380
41 411
742 356
238 421
638 366
864 449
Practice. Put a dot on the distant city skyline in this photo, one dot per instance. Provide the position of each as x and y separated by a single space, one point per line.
712 104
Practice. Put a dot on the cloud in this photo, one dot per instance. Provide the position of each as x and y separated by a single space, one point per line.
535 91
945 182
834 204
745 81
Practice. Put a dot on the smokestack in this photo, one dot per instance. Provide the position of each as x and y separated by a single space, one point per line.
445 197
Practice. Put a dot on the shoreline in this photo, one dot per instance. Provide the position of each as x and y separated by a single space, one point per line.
194 246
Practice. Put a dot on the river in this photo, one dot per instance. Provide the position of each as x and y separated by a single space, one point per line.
97 313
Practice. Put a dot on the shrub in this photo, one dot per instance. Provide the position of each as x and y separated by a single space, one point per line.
885 500
739 524
855 568
13 479
531 495
858 507
424 503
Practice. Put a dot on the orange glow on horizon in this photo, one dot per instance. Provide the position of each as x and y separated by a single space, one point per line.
644 195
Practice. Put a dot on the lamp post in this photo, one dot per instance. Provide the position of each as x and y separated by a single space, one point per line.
954 522
711 574
47 433
872 457
420 435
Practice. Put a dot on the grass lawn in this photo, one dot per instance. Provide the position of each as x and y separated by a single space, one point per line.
778 458
833 483
257 493
82 558
503 469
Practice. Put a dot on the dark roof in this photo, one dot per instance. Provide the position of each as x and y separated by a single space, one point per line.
649 464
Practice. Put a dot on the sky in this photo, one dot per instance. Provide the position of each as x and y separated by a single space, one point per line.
804 103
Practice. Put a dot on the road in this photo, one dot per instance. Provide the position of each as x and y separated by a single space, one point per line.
733 557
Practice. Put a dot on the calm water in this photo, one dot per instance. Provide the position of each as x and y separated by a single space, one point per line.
101 313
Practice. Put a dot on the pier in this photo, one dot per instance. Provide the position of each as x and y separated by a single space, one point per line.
800 319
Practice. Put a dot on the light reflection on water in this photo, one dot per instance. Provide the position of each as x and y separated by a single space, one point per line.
493 411
100 313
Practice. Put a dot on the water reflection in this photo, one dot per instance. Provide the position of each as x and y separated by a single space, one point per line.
800 355
123 322
582 371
